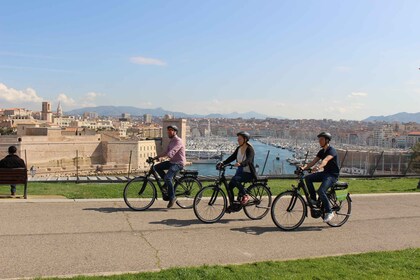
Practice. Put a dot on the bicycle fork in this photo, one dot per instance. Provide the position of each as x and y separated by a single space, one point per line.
213 197
292 202
143 187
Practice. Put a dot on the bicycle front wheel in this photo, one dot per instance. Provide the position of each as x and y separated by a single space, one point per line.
139 193
259 204
185 190
210 204
341 210
288 210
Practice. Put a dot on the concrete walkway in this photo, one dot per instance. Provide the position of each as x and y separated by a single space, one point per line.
51 238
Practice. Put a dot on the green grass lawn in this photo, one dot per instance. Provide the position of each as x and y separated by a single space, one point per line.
403 264
115 190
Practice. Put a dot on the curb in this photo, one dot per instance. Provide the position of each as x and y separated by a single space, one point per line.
84 200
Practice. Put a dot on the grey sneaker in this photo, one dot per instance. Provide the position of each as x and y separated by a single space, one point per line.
171 202
328 217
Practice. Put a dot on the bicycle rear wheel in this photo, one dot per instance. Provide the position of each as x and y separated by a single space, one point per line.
341 210
139 193
210 204
259 204
185 190
288 210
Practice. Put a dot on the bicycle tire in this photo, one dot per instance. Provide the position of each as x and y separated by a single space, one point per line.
139 193
288 210
341 210
259 204
210 204
185 190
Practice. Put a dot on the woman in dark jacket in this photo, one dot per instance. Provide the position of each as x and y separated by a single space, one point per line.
244 156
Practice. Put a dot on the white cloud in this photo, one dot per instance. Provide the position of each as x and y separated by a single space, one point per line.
91 96
88 100
358 94
147 61
12 95
65 100
145 104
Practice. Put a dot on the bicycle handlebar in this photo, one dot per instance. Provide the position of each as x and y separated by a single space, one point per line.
301 172
221 166
150 160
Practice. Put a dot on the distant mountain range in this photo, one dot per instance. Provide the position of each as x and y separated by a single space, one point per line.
399 117
115 111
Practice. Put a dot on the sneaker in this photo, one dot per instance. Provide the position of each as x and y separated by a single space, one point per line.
13 193
245 199
328 217
171 202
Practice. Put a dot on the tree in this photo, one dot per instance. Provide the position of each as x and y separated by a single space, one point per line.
7 131
415 160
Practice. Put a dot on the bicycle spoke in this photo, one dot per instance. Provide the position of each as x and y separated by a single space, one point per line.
210 204
260 202
139 194
288 211
341 211
185 190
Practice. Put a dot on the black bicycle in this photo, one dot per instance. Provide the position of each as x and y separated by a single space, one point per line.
210 203
140 193
289 208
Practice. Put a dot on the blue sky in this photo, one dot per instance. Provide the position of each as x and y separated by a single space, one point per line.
296 59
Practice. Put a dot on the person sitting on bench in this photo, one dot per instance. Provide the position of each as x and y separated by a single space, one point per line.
12 161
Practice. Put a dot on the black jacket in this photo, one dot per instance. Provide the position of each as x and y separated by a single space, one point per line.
249 161
12 161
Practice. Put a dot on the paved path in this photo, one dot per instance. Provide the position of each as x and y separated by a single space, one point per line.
52 237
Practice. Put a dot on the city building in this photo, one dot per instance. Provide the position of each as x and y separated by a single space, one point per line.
147 118
413 138
90 115
17 113
46 113
59 110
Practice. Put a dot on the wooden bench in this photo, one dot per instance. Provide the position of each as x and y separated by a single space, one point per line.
14 176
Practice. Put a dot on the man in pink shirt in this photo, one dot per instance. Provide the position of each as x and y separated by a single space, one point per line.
176 154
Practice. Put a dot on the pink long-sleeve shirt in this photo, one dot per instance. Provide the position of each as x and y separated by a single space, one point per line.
176 151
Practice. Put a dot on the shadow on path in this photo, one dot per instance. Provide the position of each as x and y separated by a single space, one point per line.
124 209
185 223
262 230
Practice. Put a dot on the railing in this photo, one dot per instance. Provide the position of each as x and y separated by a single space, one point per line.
123 179
79 164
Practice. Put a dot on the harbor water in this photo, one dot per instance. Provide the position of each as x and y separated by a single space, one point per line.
276 163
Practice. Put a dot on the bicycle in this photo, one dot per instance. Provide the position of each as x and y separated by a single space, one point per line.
210 203
289 208
140 193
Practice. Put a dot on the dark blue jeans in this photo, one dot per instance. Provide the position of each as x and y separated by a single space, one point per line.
236 182
168 177
12 188
327 181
